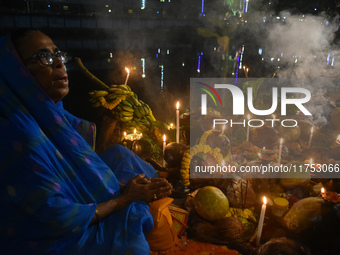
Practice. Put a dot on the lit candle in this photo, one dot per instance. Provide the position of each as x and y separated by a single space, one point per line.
260 226
248 116
171 126
124 135
322 191
310 138
311 161
177 122
127 75
164 144
338 139
280 151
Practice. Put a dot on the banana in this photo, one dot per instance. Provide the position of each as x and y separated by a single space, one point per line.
138 113
127 108
122 92
146 109
99 93
126 118
112 96
145 122
148 118
151 116
141 110
102 100
124 87
96 104
131 101
126 113
93 100
114 90
125 102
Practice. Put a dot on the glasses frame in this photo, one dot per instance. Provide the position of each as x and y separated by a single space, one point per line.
44 55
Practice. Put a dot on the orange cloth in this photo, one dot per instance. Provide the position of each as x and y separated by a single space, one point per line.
163 236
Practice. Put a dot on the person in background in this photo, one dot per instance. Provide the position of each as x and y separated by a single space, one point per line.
57 195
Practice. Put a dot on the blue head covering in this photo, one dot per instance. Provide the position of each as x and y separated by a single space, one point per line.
51 180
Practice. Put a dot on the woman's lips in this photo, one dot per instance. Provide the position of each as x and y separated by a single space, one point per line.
62 80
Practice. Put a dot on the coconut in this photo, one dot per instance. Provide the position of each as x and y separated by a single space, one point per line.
219 140
303 214
142 147
173 154
290 133
264 136
211 203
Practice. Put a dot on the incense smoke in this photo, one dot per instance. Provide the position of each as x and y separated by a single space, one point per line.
305 44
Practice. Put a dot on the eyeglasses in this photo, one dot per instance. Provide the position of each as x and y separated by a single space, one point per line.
47 58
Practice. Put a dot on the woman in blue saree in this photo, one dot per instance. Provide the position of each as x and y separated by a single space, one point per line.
57 195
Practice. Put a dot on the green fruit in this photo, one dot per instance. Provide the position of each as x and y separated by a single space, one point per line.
211 203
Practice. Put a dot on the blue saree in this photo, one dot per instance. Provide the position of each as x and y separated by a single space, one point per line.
51 179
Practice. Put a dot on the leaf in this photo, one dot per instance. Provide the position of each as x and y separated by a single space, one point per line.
255 84
223 41
160 124
202 31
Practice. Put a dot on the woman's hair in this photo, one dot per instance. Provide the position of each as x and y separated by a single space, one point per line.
19 33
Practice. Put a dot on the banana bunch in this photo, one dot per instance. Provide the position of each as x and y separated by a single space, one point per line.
125 106
237 212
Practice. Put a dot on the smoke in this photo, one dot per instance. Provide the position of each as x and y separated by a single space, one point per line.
304 46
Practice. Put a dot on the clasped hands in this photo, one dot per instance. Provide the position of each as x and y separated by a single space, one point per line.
146 189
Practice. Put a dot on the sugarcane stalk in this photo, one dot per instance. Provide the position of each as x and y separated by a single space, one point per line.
90 75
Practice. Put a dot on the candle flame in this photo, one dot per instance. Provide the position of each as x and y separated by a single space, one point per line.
265 200
248 116
338 139
311 130
223 163
164 138
273 116
223 128
322 190
281 141
171 125
124 134
177 106
264 148
311 161
134 131
259 154
127 70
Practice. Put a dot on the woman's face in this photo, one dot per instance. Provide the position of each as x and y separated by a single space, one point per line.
52 79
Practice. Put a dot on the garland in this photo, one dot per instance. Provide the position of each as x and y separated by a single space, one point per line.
190 153
204 137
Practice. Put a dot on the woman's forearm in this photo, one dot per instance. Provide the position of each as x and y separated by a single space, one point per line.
106 208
